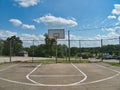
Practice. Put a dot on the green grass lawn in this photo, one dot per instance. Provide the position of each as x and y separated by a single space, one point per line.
113 63
59 61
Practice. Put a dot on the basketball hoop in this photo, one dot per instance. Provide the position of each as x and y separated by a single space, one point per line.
56 35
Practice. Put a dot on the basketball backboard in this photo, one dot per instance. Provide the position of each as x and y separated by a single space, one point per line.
56 33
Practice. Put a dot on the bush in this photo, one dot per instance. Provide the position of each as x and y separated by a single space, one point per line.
85 56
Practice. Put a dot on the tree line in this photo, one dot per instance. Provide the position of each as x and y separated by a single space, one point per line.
14 45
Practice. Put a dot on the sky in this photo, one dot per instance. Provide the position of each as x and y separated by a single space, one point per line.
85 19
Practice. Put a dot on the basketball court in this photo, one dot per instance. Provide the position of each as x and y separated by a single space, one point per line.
38 76
59 76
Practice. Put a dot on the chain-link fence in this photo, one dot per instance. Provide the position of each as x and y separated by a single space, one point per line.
15 47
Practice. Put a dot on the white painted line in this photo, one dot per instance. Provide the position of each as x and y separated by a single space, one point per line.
104 79
27 76
8 67
92 82
96 81
85 77
107 68
17 82
55 75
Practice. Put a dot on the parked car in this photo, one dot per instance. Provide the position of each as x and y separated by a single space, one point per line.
118 57
107 56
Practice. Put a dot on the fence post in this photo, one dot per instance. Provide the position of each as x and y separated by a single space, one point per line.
80 48
69 44
119 44
33 52
119 39
56 50
10 50
101 50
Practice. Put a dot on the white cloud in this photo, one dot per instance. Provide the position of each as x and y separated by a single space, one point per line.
27 3
26 26
116 9
53 21
112 35
28 39
15 22
117 30
119 18
113 32
108 38
86 42
31 37
6 33
114 29
111 17
109 29
115 14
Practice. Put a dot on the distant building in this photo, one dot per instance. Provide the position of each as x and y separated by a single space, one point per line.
23 53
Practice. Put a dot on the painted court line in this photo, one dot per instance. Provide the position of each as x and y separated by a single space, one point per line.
85 77
92 82
27 76
104 79
55 75
107 68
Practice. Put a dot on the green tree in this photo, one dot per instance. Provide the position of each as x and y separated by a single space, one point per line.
1 46
61 50
14 44
49 45
40 51
74 51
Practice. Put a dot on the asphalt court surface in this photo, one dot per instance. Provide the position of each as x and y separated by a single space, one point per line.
37 76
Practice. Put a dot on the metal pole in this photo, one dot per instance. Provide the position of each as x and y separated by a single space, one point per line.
1 47
33 52
66 53
119 39
101 49
10 50
56 51
119 44
80 48
69 44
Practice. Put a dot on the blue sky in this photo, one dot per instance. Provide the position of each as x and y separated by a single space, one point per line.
86 19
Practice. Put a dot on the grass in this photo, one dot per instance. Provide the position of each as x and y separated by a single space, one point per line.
59 61
3 63
113 63
49 61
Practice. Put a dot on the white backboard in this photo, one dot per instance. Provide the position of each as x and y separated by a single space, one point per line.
56 33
